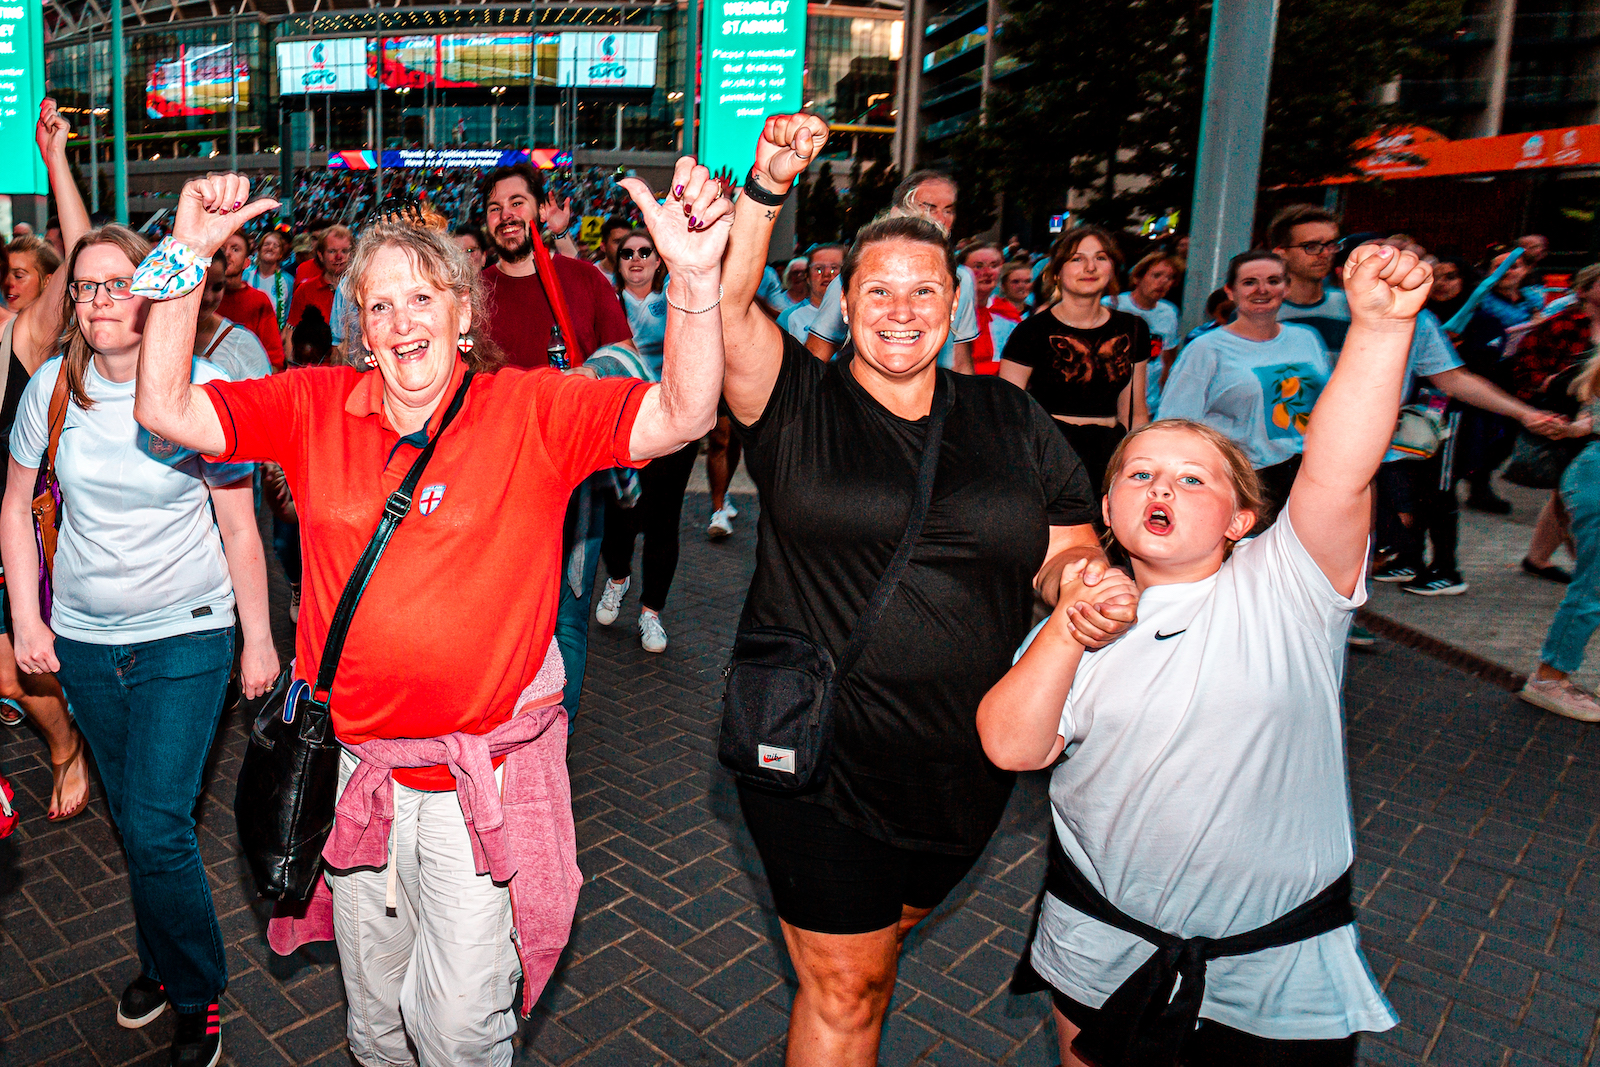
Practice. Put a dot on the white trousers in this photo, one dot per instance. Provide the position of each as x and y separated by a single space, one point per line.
435 983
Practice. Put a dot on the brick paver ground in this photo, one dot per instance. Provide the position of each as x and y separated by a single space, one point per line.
1477 880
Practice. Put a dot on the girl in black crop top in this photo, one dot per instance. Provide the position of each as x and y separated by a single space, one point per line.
1084 362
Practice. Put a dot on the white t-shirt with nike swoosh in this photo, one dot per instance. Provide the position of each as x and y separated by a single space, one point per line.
1205 793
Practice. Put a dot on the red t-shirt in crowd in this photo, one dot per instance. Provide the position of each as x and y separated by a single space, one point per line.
985 360
462 607
313 293
252 309
520 317
306 271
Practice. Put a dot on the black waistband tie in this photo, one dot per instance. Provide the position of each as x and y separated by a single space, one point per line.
1145 1022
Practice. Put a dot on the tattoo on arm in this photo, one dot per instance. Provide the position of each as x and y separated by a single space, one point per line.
771 214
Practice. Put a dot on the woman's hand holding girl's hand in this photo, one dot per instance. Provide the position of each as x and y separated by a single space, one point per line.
1094 616
787 146
52 131
691 229
212 209
1385 287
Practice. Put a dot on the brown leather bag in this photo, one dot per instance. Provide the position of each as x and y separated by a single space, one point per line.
47 502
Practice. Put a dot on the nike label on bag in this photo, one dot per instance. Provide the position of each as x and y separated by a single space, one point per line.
775 759
1163 637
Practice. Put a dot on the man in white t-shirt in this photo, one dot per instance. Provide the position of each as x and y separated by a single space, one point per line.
822 267
931 195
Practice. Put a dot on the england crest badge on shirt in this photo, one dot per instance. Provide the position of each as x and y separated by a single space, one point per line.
430 498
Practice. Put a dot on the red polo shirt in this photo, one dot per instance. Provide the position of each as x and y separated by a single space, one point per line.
459 612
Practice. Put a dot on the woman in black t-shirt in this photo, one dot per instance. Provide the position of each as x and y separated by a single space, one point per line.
834 447
1083 361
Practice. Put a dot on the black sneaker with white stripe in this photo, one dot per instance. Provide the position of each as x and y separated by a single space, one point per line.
1437 583
197 1042
141 1002
1394 572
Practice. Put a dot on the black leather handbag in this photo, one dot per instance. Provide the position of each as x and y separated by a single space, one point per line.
777 711
290 778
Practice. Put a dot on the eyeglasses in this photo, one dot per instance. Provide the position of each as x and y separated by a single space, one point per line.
626 254
116 288
824 268
1316 248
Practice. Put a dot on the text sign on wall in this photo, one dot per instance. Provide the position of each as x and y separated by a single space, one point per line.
752 66
21 90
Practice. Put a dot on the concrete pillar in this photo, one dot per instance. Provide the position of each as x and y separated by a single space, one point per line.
1498 67
908 120
1233 119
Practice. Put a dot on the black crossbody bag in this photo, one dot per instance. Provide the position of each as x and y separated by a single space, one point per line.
777 711
290 778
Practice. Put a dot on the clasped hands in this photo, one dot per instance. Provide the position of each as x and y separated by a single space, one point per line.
1097 603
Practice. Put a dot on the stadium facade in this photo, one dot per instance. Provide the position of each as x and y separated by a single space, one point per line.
281 84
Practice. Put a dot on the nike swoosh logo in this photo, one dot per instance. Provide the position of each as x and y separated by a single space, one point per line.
1162 637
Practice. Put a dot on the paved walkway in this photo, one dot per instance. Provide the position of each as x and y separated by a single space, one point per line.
1477 879
1504 614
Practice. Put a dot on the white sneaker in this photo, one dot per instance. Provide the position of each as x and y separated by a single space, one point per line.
721 524
610 606
730 507
1561 697
294 604
652 638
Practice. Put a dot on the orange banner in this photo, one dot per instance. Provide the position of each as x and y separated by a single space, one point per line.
1417 152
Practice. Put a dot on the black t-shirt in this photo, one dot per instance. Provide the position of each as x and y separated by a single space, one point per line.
16 382
837 472
1079 372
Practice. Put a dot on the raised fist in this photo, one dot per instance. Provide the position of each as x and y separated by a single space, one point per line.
787 146
1385 286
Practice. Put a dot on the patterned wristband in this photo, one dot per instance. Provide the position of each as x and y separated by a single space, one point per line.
172 270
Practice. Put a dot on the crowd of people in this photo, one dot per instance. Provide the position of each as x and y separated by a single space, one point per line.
976 467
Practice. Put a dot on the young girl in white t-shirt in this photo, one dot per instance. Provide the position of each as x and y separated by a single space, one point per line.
1204 794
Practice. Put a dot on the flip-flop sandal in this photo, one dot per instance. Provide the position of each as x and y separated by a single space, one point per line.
8 814
11 713
58 773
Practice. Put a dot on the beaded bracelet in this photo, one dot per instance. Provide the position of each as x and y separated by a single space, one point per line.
693 311
172 269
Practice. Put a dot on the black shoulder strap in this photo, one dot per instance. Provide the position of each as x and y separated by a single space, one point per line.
862 632
395 510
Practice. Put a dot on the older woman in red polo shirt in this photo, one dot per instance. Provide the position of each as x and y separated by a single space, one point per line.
454 633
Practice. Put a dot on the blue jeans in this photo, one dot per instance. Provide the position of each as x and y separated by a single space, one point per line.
149 712
572 620
1579 614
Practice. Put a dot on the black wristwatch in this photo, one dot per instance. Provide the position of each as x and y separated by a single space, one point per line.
760 195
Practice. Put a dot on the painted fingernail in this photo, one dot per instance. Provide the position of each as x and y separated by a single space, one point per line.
237 204
678 192
693 222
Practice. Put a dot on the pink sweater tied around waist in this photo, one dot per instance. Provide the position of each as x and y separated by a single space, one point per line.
522 836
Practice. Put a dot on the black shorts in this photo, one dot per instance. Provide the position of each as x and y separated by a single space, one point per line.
830 879
1215 1045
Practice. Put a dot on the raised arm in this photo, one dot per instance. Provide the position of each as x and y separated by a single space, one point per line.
754 342
690 232
1353 422
165 403
38 327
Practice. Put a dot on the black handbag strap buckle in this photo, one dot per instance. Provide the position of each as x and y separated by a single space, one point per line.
398 506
